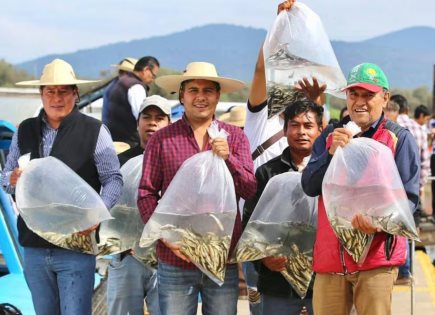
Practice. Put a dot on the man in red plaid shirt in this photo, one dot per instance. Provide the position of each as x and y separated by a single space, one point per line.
179 280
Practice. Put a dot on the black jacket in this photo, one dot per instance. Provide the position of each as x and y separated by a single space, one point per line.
271 282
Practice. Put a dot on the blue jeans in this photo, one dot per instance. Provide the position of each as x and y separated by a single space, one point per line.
404 270
61 281
251 279
285 306
179 289
129 283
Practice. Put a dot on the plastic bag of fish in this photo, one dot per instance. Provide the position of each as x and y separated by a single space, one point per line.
198 212
362 178
124 232
283 224
60 209
297 46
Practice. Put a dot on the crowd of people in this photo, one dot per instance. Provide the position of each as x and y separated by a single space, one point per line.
258 147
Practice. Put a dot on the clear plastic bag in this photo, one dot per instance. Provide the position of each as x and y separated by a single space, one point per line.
297 46
363 178
198 211
124 232
56 203
283 224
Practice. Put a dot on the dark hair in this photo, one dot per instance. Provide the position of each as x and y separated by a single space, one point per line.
402 102
421 110
303 106
342 112
147 61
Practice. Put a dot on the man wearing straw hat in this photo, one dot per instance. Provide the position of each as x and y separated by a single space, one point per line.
125 99
179 280
61 281
124 66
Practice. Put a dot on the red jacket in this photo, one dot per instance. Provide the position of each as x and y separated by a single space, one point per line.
330 255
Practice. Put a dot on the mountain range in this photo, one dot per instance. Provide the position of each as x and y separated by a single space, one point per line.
407 56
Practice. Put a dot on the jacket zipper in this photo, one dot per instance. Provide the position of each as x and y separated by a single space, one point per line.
342 259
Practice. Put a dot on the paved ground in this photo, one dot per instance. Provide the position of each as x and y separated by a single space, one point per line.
424 290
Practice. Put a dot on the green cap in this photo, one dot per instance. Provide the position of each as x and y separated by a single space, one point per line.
367 76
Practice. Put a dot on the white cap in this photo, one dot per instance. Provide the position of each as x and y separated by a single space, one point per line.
158 101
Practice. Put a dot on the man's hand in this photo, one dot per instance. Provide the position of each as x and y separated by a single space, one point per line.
312 91
340 138
364 224
275 263
176 249
286 5
90 230
220 147
15 175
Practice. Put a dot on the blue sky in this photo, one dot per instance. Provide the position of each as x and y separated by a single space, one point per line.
30 29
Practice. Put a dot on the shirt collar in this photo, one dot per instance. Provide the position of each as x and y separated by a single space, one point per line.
286 159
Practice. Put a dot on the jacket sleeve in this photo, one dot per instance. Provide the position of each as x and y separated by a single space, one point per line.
312 176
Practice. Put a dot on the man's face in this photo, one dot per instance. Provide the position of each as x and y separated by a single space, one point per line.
301 133
422 120
391 115
148 75
200 98
365 107
58 101
150 120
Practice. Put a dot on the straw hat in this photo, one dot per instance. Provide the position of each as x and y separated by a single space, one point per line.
126 64
198 71
57 72
236 116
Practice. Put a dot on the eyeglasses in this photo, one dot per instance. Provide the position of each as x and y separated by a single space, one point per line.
153 74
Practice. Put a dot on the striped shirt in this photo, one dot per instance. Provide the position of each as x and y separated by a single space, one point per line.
105 158
420 136
167 149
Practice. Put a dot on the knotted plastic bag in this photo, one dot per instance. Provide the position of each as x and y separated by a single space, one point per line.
297 46
56 203
124 232
198 211
362 178
283 224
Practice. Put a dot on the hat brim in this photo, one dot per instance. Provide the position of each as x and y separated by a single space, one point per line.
40 83
366 86
226 117
172 83
123 68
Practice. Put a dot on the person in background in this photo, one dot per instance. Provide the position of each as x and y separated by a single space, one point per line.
130 281
415 126
125 99
179 281
61 281
341 282
303 124
124 66
235 115
343 113
392 110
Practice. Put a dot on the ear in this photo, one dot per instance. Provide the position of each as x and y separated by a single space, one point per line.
386 99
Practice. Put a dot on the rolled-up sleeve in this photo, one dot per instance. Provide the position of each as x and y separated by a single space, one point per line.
107 165
11 164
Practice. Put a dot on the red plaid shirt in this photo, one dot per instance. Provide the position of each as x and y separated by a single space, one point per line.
167 149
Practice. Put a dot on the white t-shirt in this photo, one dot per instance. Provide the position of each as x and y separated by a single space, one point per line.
136 95
258 129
